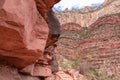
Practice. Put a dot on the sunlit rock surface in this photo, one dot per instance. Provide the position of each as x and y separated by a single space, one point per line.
21 28
26 31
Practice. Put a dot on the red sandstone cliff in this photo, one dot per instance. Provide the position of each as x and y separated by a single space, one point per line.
25 32
94 47
90 39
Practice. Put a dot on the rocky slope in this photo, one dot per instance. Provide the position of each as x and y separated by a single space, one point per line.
88 15
11 73
90 40
96 46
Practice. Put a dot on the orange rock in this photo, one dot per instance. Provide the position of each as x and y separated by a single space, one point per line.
44 6
23 31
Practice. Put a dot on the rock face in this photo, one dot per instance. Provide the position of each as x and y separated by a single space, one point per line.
101 47
23 30
44 6
28 31
96 46
88 15
90 39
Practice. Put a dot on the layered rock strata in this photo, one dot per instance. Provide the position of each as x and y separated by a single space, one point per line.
88 15
95 47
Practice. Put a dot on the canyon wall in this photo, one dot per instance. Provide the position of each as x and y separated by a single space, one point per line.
95 47
88 15
90 39
29 31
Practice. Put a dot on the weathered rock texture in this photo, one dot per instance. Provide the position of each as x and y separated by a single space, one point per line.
27 29
21 28
88 15
96 46
23 31
100 48
44 6
10 73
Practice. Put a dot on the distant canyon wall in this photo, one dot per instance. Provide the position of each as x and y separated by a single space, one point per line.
88 15
90 38
97 46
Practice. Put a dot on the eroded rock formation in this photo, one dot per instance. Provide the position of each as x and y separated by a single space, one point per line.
21 28
88 15
26 33
95 47
29 29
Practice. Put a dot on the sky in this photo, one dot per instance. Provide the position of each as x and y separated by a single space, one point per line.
77 4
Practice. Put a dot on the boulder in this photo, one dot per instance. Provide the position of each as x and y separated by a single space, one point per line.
23 31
